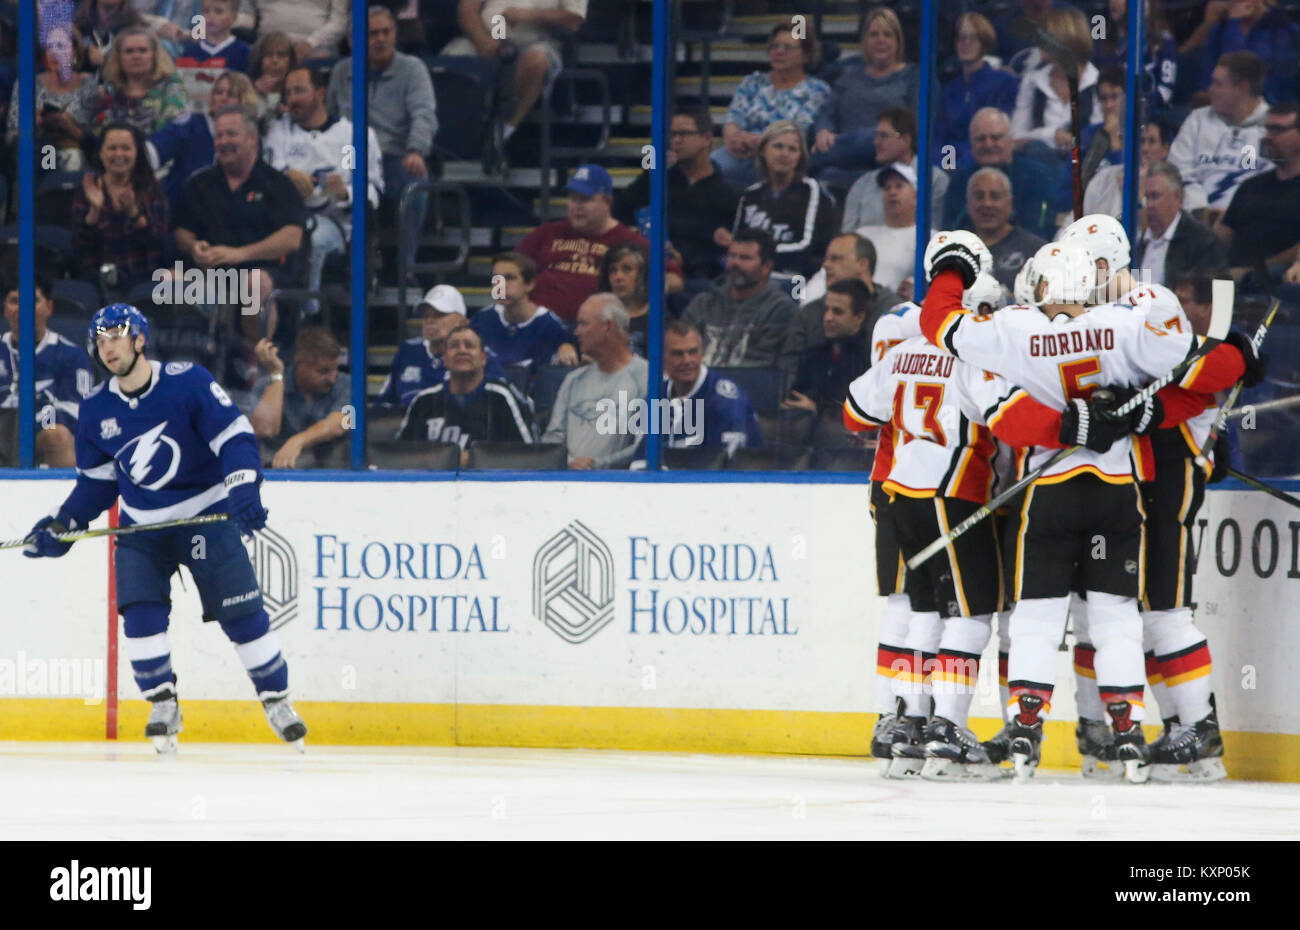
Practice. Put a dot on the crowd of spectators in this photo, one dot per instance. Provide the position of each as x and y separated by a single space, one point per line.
790 229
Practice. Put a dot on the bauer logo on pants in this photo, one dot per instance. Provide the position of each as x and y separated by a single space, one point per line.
573 583
276 566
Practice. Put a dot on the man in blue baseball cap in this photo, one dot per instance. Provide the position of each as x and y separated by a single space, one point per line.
569 252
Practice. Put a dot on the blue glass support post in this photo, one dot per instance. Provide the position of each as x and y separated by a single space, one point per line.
360 197
924 126
1133 103
659 122
26 233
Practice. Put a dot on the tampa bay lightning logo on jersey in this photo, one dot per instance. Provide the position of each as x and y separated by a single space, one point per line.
151 459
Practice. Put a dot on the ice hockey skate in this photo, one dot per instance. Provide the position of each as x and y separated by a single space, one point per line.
286 723
1097 746
164 721
998 749
1025 748
1190 753
1131 749
908 749
882 737
953 752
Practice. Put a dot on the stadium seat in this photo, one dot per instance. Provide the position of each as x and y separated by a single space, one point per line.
464 87
763 386
518 456
54 194
700 458
9 437
546 385
426 456
73 298
773 458
382 424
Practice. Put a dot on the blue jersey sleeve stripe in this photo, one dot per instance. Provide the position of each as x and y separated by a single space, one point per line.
240 425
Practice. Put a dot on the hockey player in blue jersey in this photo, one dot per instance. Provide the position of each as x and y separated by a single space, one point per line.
169 440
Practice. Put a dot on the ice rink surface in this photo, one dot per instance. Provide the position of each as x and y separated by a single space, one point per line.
216 791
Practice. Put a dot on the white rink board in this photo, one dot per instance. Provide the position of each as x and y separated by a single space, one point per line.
809 646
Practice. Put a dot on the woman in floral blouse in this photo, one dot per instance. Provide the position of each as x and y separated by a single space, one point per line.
141 88
784 92
65 98
119 216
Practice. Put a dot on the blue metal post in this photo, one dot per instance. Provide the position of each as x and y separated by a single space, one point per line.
360 197
1133 103
659 122
923 146
26 232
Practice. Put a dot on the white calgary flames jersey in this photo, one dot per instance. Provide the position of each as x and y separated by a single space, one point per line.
901 322
1069 358
936 405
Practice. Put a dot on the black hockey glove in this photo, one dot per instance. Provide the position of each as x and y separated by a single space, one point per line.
1143 420
959 257
1081 426
1256 362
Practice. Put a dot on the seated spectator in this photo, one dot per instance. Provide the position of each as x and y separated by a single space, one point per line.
1208 150
726 419
1173 243
62 376
786 92
1196 294
1260 27
119 214
309 146
822 380
614 376
799 214
468 407
895 238
65 99
625 273
140 85
219 48
744 317
172 21
895 142
519 331
846 129
417 364
314 26
569 252
849 257
184 146
1041 122
400 109
700 199
270 61
980 84
99 22
992 147
244 214
302 403
989 196
1105 192
1110 98
1261 220
530 54
1159 61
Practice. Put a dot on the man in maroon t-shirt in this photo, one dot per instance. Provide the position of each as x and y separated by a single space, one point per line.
569 252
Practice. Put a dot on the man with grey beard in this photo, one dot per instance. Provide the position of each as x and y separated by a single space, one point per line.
745 317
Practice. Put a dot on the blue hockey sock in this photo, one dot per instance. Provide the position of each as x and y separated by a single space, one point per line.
258 648
148 648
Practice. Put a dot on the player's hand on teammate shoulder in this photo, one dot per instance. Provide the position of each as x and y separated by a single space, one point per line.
41 542
960 250
1256 362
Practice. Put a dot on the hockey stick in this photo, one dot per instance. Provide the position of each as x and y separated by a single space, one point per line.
1092 160
1029 31
1261 486
1280 403
1220 320
1261 271
121 530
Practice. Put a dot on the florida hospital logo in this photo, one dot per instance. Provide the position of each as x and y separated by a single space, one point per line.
573 583
276 566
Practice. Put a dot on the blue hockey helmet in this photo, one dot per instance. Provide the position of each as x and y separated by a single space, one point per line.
112 317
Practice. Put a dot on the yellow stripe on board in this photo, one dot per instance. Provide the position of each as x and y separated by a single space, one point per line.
1248 756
